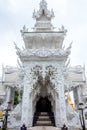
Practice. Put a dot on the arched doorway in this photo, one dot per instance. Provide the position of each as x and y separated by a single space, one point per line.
43 105
43 115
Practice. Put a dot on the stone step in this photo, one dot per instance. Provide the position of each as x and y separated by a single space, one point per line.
43 122
43 118
44 114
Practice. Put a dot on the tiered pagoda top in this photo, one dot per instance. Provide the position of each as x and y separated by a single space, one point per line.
43 17
43 40
43 34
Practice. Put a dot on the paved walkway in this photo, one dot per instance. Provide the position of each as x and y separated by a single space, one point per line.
44 128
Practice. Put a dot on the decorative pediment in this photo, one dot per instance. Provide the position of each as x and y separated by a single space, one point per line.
43 11
43 52
43 17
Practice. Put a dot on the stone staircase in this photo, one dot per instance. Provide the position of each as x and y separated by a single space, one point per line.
43 119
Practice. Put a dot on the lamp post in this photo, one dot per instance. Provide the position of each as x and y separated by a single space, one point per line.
4 125
81 108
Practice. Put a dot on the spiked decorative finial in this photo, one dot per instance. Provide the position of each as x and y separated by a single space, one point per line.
43 4
43 17
43 8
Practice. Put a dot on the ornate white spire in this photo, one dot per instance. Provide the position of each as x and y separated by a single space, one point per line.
43 11
43 4
43 17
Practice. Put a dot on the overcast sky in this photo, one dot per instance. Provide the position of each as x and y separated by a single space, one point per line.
14 14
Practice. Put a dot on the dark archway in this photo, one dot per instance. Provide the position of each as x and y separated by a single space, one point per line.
43 105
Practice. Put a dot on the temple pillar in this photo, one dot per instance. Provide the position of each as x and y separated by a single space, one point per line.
27 115
79 91
12 96
57 111
63 117
8 94
60 117
77 96
30 111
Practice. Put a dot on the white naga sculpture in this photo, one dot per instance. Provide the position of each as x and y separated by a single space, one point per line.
43 71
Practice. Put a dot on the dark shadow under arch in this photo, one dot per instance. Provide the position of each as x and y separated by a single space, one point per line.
43 105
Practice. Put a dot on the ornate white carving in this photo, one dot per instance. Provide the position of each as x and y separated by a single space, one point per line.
43 7
24 29
73 117
17 49
62 29
77 69
10 69
35 74
44 52
43 17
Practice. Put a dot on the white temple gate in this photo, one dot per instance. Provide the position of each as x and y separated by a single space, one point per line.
43 62
43 75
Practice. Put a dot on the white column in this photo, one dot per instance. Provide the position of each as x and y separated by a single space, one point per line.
30 111
77 96
79 91
61 117
57 111
62 105
27 116
8 94
12 96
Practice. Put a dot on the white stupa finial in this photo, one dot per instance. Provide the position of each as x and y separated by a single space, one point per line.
43 17
43 8
43 4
